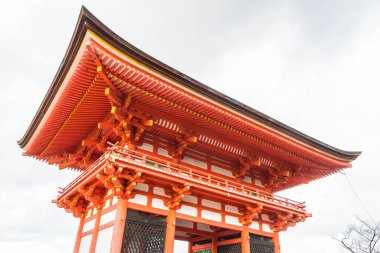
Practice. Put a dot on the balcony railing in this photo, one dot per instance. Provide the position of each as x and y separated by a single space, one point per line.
156 164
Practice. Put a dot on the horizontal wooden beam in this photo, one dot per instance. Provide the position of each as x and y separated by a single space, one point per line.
57 159
283 172
195 232
75 156
201 247
67 164
114 97
199 238
254 162
300 179
103 75
226 233
231 241
105 125
88 142
148 122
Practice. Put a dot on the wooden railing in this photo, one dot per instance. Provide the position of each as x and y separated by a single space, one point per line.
150 162
203 177
86 172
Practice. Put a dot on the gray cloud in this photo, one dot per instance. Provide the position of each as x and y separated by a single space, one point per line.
313 65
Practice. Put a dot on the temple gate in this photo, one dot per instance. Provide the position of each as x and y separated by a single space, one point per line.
162 157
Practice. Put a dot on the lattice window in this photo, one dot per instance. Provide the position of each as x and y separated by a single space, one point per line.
261 246
143 238
256 246
230 248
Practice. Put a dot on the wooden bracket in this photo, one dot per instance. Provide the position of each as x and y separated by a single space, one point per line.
246 164
250 212
281 222
115 98
119 181
178 193
184 139
77 206
277 176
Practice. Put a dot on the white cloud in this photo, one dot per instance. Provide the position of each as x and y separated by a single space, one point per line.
312 65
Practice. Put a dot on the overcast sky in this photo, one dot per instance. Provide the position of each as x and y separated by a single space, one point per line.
314 65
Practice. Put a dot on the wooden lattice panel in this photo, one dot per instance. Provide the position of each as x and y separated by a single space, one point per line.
143 237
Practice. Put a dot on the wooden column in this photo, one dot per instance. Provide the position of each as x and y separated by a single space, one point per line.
190 247
245 246
79 235
119 225
170 231
214 243
276 241
95 230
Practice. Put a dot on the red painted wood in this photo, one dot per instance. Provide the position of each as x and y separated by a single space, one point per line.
245 247
79 235
119 225
170 231
95 232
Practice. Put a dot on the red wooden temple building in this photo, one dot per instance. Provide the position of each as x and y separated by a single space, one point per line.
162 157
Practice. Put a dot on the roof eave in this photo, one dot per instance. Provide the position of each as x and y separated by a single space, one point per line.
75 42
87 21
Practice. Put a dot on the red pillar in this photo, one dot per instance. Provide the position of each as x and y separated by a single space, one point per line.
79 235
245 247
276 241
214 247
95 231
119 225
170 231
190 247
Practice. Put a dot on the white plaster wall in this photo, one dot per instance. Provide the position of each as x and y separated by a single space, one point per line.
160 191
232 209
232 220
190 199
109 192
107 204
204 227
85 244
211 215
110 216
266 228
188 210
221 171
103 243
258 183
181 233
255 225
139 199
265 217
247 179
184 223
142 187
163 152
194 162
211 204
89 225
147 147
159 203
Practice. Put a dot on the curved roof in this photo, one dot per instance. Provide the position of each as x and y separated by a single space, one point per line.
88 21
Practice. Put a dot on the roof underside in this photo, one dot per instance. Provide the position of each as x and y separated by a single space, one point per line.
75 103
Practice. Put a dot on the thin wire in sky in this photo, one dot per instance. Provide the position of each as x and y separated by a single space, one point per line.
359 199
